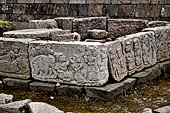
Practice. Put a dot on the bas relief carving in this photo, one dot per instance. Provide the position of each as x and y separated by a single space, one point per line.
14 59
117 62
86 65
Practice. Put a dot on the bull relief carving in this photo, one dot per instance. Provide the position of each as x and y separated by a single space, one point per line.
86 65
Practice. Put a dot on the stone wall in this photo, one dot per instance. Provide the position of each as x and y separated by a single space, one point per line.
24 10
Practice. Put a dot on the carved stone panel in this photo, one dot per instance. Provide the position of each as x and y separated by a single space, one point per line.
69 62
162 35
117 61
14 58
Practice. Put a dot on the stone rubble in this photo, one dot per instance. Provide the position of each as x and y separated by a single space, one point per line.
5 99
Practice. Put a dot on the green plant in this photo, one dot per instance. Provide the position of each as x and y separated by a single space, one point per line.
6 26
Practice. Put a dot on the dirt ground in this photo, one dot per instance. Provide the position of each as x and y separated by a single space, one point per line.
153 95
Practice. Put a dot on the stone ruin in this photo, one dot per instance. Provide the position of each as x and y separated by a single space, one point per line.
95 53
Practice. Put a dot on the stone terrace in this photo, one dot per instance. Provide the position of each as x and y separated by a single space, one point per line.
102 56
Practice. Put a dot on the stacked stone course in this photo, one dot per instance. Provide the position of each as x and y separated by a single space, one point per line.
24 10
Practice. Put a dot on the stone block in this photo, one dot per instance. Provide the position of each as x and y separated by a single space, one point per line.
165 109
83 10
15 107
117 60
157 23
11 1
40 24
164 2
95 10
165 66
70 91
60 1
128 83
25 1
82 25
121 27
98 1
73 10
41 86
162 35
17 83
43 34
126 11
148 10
19 8
61 10
105 93
14 60
42 1
165 11
65 23
77 2
66 37
5 99
110 10
139 50
97 34
69 62
141 1
41 107
154 1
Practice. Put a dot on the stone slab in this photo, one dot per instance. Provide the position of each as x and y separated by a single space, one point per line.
14 60
165 109
157 23
162 35
41 86
80 63
117 60
5 99
97 34
19 83
121 27
165 67
70 91
82 25
147 74
139 50
41 107
43 34
65 23
41 24
15 107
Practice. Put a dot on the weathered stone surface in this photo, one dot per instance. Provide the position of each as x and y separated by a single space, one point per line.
98 1
60 1
40 107
44 34
95 10
140 1
14 58
162 35
70 91
15 107
165 66
110 10
17 82
40 86
147 110
21 25
40 24
139 50
82 25
157 23
165 11
126 11
117 61
66 37
97 34
96 40
165 109
69 62
147 74
5 99
104 93
121 27
65 23
25 1
77 1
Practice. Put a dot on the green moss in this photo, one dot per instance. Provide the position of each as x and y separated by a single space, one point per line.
146 95
6 26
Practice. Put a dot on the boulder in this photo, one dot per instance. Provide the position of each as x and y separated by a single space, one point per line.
4 98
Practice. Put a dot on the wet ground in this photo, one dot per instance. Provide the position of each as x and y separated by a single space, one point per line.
153 95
